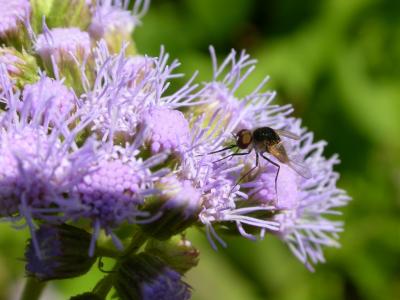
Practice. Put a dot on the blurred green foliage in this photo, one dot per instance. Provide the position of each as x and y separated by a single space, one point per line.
337 62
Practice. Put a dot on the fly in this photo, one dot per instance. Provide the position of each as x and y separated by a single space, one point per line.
265 140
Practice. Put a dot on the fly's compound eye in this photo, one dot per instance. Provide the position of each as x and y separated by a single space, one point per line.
244 138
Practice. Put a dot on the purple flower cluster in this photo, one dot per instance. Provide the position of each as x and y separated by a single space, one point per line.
101 141
12 15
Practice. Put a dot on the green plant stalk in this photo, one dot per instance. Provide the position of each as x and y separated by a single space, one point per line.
138 239
104 286
33 289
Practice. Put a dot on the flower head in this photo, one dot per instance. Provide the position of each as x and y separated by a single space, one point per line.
178 203
40 159
147 277
128 92
50 96
13 14
168 129
63 250
63 44
245 192
113 22
112 190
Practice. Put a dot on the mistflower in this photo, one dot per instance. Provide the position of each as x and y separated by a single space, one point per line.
305 227
13 14
40 162
236 113
125 89
51 97
63 251
92 136
294 208
178 202
111 192
168 130
63 44
116 184
147 277
113 22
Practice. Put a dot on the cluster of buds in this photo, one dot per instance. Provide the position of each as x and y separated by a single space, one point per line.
94 149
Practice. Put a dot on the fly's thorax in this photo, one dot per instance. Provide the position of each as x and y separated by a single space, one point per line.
266 135
264 138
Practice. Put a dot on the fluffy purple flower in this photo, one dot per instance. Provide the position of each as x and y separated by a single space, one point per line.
112 17
50 96
40 163
305 227
252 111
168 130
295 208
126 89
63 44
179 195
13 13
113 189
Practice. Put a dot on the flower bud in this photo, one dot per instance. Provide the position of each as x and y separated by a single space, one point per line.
13 15
51 96
71 13
176 252
62 50
178 204
63 253
20 66
147 277
113 23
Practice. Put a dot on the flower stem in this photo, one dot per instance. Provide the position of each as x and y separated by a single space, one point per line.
104 286
106 252
33 289
137 241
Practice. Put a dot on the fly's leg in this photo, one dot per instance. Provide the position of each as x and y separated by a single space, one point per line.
277 173
232 155
247 173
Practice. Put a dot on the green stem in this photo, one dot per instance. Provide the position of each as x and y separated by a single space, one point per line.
33 289
106 252
137 241
104 286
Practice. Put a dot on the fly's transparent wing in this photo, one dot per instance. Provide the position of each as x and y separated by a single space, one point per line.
287 134
300 168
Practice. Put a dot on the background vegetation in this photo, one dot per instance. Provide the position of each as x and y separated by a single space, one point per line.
338 63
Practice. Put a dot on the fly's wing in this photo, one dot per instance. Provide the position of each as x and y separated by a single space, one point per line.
287 134
300 168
